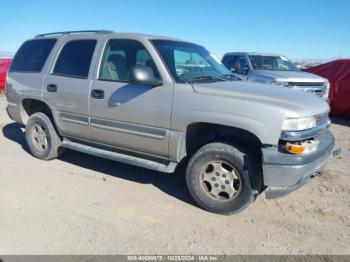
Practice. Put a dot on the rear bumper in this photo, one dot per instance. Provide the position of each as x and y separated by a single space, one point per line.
14 112
284 172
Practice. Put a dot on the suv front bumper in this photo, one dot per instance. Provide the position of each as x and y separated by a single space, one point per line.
284 172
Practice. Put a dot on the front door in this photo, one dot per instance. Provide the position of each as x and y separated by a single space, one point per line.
128 115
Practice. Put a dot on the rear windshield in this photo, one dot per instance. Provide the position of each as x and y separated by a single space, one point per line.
32 55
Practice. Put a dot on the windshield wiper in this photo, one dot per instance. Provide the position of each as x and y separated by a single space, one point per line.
269 68
277 69
206 78
231 77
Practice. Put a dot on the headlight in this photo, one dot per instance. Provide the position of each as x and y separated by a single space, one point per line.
298 124
280 83
328 85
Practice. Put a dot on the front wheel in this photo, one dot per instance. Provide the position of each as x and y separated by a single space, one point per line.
218 178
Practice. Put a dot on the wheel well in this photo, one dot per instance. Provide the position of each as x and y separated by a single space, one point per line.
32 106
199 134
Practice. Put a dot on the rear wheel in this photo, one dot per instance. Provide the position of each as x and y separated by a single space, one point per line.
218 178
42 138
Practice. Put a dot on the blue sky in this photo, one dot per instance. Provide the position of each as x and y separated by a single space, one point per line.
299 29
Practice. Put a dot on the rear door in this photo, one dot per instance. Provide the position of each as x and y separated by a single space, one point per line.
66 88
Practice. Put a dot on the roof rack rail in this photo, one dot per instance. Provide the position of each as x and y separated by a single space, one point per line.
76 32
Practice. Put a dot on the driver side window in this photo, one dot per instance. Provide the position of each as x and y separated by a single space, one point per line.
239 65
121 55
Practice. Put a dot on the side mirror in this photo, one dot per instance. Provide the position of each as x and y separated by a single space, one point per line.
245 69
143 75
233 69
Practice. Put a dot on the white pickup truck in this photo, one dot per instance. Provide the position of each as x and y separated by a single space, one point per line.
275 69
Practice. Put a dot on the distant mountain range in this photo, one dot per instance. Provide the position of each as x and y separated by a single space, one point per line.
6 54
314 60
305 62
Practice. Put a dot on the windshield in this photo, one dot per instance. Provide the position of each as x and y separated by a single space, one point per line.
277 63
191 63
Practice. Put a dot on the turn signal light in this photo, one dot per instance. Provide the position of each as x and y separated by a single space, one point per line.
295 149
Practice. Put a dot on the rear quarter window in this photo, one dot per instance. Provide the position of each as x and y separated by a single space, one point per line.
32 55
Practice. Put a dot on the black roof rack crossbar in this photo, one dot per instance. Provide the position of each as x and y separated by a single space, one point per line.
76 32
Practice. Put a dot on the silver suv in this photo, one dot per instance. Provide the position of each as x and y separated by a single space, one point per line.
275 69
162 103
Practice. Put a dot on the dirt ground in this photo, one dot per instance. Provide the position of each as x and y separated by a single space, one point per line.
82 204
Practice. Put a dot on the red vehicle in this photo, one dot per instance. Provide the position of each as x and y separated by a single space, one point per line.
4 67
338 74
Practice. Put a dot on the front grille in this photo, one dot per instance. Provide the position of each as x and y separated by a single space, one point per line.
315 88
306 84
321 119
315 91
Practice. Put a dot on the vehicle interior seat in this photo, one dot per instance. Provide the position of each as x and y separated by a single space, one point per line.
115 68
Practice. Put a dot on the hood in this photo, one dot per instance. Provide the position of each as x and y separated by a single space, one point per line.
290 76
296 102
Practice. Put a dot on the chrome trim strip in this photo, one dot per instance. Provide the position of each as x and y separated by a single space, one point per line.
75 119
305 134
150 132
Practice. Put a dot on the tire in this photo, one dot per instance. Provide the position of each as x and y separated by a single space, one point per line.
42 138
229 169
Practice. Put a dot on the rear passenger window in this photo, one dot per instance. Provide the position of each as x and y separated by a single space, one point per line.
75 59
32 55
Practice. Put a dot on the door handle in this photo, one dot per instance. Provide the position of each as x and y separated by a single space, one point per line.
98 94
52 88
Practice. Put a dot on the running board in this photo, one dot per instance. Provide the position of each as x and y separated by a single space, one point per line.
168 167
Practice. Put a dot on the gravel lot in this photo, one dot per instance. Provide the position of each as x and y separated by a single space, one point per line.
86 205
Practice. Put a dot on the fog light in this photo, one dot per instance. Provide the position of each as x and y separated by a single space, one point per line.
295 149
